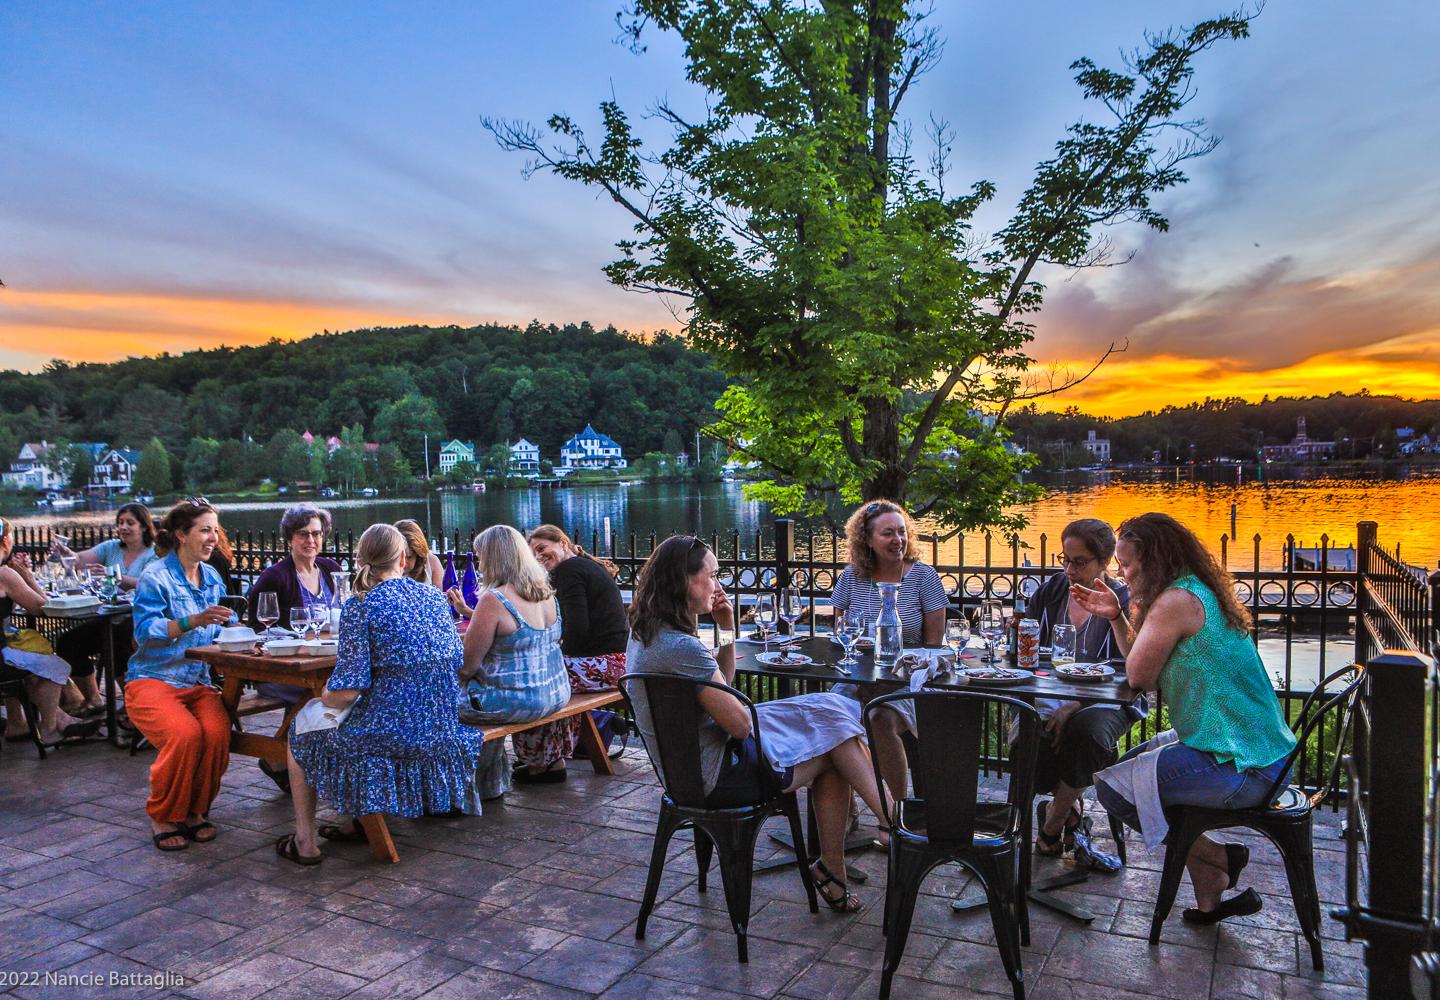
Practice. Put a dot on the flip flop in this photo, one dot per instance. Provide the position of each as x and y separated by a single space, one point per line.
1242 905
351 835
179 831
287 849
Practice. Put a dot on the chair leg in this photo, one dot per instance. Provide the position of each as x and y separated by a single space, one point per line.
704 850
1298 852
999 877
1177 849
1117 833
665 828
790 806
907 871
32 722
735 843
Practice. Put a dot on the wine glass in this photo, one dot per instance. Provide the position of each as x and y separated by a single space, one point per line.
848 627
765 617
318 615
992 627
957 637
792 608
267 608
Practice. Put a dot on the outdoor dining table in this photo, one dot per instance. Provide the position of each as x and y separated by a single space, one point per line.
308 672
825 655
114 614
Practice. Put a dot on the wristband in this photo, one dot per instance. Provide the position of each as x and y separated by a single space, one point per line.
184 624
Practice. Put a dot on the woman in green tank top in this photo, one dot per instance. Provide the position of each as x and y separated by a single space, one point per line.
1187 636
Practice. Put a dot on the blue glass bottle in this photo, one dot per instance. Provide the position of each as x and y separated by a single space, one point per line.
469 583
451 580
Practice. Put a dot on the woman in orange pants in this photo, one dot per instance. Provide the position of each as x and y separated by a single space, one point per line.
169 698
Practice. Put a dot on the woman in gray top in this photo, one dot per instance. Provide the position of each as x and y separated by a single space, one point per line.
812 740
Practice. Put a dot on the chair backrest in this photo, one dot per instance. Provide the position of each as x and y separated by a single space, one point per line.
950 734
668 714
1318 704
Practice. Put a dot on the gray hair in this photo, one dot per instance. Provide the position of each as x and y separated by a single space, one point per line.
299 515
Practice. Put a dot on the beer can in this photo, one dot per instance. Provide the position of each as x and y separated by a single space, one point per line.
1027 645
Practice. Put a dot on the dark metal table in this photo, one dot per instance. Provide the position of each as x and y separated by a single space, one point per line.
109 653
826 655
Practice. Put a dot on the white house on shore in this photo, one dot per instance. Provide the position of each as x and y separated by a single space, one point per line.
591 450
525 459
31 469
454 452
115 471
1098 447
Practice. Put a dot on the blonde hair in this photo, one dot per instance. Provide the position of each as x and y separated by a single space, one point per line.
418 546
857 533
503 558
379 549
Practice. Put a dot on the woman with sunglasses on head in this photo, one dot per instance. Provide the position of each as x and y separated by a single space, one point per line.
813 740
44 674
881 538
167 695
1189 637
1080 741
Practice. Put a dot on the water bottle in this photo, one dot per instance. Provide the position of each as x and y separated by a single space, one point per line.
451 581
889 641
469 584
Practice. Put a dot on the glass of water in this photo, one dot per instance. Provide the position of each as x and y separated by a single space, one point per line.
992 627
957 637
1062 645
765 617
848 627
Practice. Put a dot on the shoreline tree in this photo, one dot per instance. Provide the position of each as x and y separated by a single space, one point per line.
876 340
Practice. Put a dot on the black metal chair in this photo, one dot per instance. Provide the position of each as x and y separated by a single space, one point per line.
16 687
1285 821
944 819
670 706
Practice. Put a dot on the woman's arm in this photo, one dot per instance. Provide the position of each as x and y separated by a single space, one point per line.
20 586
574 610
436 569
338 699
480 635
724 707
932 631
1176 615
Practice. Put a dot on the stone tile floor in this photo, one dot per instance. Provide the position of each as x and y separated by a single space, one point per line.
537 899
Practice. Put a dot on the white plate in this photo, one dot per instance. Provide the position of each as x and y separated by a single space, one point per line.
791 660
1011 676
1068 671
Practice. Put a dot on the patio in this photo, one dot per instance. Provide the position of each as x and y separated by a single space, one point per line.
537 899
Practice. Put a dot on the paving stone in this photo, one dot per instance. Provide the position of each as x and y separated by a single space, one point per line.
100 977
251 978
1053 988
1305 989
1256 947
825 980
584 913
355 947
493 985
503 944
415 978
584 965
976 967
1165 970
696 955
640 987
1233 982
316 984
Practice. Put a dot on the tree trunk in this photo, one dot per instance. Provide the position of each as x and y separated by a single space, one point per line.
882 444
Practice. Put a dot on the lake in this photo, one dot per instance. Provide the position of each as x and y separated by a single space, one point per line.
1405 508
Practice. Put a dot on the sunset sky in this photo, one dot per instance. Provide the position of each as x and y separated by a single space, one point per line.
184 175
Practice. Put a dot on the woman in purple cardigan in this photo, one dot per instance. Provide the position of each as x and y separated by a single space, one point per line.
301 579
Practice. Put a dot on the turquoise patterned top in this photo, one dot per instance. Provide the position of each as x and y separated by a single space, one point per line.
523 676
1220 699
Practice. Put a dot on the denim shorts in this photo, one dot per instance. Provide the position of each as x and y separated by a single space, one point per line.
746 778
1190 777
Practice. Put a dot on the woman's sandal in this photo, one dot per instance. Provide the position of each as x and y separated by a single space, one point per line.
847 903
1052 847
351 834
179 831
203 827
290 851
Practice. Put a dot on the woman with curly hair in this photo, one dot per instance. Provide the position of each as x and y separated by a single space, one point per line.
1187 635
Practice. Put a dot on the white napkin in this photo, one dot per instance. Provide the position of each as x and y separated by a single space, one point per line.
316 715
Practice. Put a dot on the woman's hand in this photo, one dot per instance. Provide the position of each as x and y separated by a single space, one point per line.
1097 599
723 612
214 615
457 601
58 549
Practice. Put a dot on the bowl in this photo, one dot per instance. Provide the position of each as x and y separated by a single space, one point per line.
236 633
284 647
323 647
238 645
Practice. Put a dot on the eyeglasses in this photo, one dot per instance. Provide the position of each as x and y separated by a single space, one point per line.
198 501
317 535
1077 563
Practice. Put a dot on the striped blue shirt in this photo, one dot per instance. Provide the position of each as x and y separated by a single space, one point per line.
921 592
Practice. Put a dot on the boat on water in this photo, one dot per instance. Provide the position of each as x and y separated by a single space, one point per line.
58 501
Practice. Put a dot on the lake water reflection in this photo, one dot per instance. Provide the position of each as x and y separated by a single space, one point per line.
1405 508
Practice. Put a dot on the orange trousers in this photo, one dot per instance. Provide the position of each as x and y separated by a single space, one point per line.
191 730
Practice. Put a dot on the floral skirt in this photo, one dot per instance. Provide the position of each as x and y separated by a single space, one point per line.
544 745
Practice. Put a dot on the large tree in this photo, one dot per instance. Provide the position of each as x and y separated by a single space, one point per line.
876 340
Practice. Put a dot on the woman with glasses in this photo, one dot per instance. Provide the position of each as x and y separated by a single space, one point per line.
813 740
881 538
168 696
43 674
1080 741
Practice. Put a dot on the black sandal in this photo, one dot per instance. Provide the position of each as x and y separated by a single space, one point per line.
290 851
179 831
193 832
353 834
1054 847
847 903
1242 905
522 775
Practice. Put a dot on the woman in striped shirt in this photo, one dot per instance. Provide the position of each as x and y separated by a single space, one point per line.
882 550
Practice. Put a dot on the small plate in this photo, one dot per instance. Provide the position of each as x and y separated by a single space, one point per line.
1091 673
751 637
995 675
783 660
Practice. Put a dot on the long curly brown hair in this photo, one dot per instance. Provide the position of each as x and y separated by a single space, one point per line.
1167 551
857 533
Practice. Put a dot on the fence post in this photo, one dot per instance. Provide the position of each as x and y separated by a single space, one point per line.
1365 535
784 550
1432 641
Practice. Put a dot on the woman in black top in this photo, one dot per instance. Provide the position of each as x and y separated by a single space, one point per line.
593 636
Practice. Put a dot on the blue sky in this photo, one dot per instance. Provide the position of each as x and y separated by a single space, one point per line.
178 175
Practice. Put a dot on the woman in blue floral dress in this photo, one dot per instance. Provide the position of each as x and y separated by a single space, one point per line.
514 668
402 749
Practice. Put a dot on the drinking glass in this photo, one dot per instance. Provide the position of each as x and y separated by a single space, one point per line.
1062 645
319 615
957 637
95 575
110 585
765 616
992 627
267 608
792 608
848 627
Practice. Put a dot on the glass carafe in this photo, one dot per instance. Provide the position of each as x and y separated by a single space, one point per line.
888 641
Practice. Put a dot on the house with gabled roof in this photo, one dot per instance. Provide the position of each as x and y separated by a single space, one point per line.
591 450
